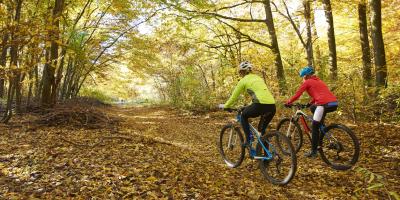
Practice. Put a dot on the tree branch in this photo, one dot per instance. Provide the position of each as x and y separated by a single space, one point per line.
227 45
246 36
115 41
290 19
216 14
233 6
231 18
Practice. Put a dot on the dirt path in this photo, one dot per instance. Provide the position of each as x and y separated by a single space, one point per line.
164 153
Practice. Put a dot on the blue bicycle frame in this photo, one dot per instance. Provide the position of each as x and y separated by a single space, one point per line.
253 132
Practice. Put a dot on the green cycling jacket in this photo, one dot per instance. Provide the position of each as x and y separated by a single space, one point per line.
255 86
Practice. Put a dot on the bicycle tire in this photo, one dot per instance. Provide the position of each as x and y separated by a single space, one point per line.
329 146
271 141
234 160
297 138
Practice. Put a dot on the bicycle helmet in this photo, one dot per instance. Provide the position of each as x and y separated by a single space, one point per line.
245 65
306 71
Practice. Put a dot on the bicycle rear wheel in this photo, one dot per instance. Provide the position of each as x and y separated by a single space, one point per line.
281 169
340 147
292 130
231 145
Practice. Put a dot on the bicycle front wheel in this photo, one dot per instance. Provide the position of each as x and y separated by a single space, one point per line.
281 169
292 130
231 145
340 147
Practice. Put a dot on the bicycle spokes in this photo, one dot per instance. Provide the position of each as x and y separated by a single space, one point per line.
340 147
291 129
232 140
282 166
230 146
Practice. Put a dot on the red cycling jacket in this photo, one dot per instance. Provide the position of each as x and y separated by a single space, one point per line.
318 91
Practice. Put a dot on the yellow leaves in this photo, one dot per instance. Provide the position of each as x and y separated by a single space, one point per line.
151 179
59 42
395 195
372 177
3 169
14 196
128 189
48 44
375 186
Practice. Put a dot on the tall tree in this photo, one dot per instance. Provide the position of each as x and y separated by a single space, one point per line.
331 39
48 90
3 60
14 80
269 21
365 49
15 56
318 65
309 48
377 41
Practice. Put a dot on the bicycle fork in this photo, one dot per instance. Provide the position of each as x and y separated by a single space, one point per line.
230 144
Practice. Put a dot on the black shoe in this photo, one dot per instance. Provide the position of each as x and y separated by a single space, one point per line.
311 154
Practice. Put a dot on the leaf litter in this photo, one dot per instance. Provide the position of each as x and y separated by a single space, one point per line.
162 153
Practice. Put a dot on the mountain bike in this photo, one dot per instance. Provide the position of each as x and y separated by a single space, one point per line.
277 166
339 146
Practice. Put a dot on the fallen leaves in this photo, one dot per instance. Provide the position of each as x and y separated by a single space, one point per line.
157 153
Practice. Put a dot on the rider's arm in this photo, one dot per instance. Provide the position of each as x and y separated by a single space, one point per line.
236 92
299 92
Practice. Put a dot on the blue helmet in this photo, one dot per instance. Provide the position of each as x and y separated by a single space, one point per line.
306 71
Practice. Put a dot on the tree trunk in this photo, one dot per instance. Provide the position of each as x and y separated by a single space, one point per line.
3 60
66 78
51 64
319 66
269 21
331 39
14 57
37 83
10 97
365 49
59 75
47 81
2 87
18 91
309 46
33 65
379 47
28 101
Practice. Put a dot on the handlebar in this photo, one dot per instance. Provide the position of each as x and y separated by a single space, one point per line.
234 109
240 109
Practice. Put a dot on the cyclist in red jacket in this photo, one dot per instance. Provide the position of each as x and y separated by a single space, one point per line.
322 102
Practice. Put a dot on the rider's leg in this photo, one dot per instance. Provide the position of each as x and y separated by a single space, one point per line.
254 110
319 112
266 118
327 109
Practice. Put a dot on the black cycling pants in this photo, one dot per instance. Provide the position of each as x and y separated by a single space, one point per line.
266 111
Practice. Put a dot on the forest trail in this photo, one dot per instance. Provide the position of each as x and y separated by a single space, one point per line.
165 153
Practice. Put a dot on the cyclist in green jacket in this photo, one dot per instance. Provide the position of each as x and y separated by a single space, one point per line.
263 103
